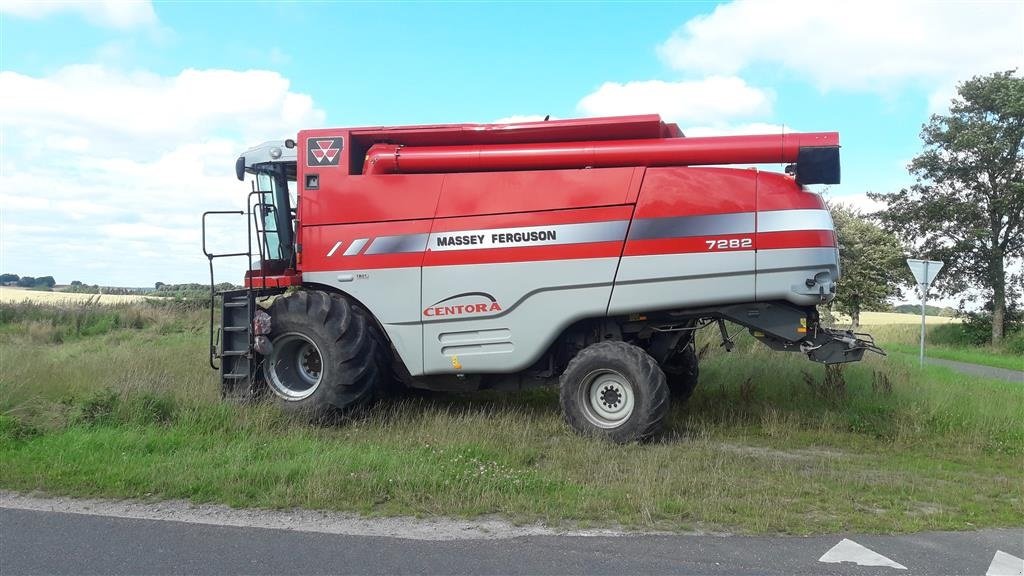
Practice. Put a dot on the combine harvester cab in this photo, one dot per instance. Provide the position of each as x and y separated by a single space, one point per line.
460 257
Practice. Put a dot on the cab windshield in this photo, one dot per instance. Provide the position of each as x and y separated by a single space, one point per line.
273 207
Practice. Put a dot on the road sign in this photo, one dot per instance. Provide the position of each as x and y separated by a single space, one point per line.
924 272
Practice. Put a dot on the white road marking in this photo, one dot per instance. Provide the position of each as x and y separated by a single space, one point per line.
335 249
849 551
1004 564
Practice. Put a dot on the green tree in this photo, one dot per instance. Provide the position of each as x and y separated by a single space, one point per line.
967 207
45 282
5 278
872 262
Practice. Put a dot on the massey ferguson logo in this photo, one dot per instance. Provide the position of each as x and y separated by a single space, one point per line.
323 151
463 304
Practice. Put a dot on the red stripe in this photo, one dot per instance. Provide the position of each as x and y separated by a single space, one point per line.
796 239
762 241
684 245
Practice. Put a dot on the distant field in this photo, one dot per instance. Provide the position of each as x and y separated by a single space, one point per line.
882 318
10 294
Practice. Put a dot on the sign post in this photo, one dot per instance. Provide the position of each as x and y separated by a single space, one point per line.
925 272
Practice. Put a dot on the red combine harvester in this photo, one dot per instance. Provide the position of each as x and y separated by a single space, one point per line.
468 256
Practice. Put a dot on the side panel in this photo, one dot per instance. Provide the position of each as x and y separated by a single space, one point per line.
498 289
797 259
379 265
467 194
691 242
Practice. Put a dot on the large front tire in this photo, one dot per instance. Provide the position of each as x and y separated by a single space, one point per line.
615 391
327 357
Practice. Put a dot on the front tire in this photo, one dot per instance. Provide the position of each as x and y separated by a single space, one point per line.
327 357
614 390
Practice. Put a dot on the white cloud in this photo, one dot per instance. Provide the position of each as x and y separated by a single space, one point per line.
90 98
859 202
709 101
121 14
518 118
854 45
111 166
738 129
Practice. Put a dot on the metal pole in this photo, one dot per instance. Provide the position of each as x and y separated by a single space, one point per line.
924 297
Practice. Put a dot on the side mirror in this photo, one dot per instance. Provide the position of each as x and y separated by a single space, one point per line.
240 168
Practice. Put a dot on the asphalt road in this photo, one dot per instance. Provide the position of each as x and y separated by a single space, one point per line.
979 370
43 542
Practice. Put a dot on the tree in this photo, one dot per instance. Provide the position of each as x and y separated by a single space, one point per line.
967 207
871 261
45 281
5 278
26 281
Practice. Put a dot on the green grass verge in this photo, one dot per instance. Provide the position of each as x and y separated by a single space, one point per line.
973 355
761 448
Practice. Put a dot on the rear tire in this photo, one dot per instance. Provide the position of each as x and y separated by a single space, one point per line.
682 372
327 359
614 390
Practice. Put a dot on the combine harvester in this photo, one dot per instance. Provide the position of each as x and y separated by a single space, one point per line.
467 256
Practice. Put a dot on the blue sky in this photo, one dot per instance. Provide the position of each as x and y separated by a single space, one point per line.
121 120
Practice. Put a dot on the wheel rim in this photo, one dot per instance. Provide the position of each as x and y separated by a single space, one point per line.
607 398
295 367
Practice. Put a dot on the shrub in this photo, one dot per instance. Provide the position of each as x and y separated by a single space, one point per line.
976 329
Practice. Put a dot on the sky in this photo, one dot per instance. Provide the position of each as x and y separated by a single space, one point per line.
120 121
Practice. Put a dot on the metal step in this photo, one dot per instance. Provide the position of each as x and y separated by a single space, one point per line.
234 376
236 328
234 353
235 304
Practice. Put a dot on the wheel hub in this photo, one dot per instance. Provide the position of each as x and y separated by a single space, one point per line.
610 397
607 397
294 368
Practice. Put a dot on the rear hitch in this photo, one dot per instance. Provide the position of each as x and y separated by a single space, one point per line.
831 346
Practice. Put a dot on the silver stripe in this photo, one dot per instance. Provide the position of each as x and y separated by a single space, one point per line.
335 249
785 220
356 246
686 226
398 244
553 235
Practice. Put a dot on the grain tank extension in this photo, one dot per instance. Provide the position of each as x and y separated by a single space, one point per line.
469 256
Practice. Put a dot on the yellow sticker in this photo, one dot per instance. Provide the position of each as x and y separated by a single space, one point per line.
455 363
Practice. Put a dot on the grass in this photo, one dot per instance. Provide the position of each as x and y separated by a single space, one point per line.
905 340
986 356
763 446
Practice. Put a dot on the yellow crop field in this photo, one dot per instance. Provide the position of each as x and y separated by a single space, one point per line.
884 318
10 294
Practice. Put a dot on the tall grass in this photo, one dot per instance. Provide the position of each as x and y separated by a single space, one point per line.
764 445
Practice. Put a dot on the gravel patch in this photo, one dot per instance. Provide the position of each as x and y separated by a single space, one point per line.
438 529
